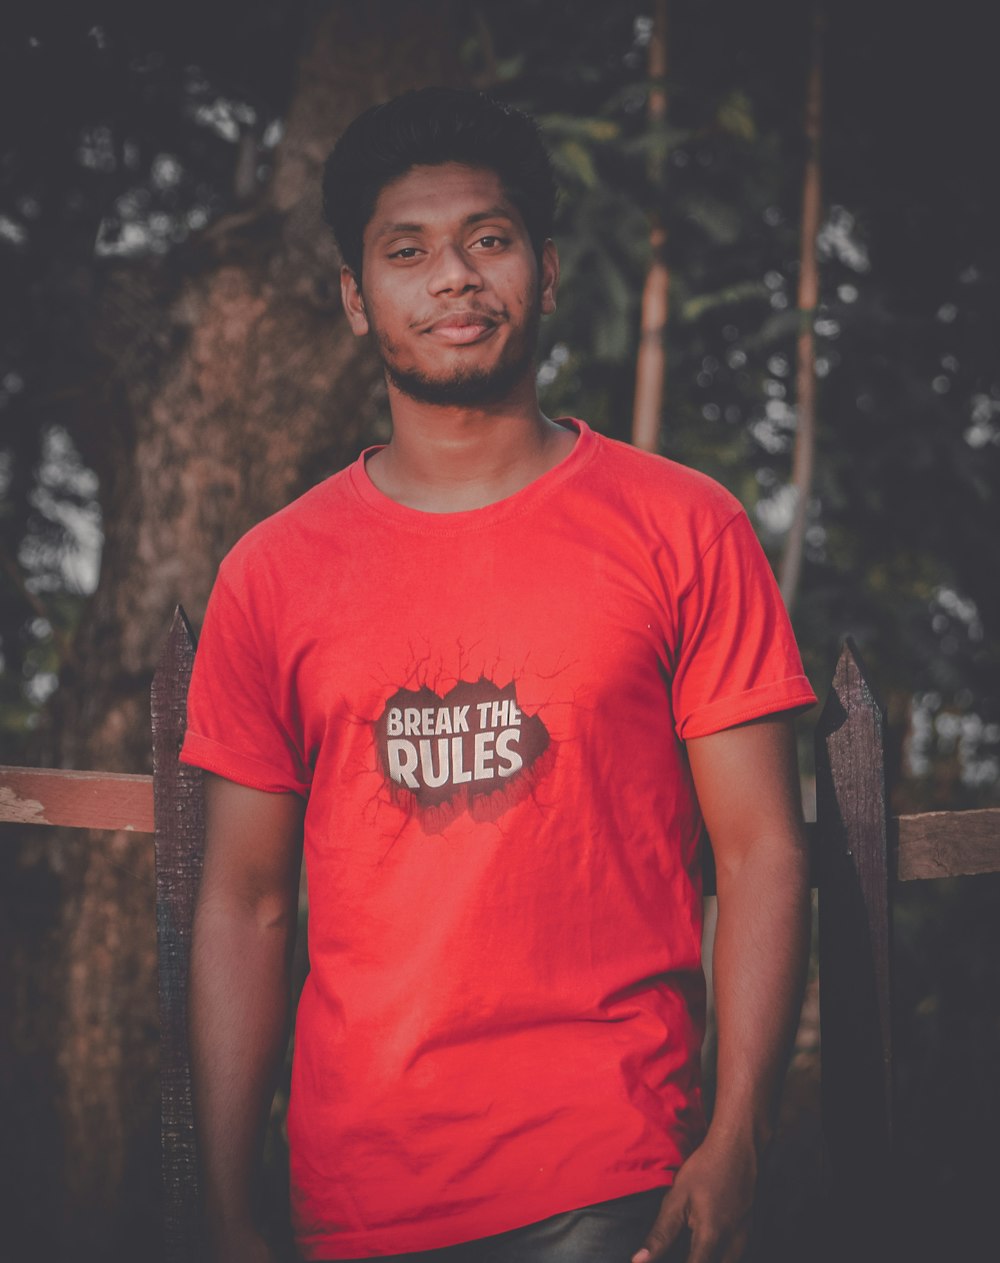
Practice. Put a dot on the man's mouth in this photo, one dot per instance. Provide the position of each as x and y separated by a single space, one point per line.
461 327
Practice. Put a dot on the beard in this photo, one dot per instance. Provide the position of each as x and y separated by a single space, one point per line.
466 387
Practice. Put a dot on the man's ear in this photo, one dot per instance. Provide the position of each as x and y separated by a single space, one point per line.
354 303
549 277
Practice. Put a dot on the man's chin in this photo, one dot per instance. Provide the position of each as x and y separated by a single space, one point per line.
468 390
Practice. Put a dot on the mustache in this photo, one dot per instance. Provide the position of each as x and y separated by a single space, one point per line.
494 314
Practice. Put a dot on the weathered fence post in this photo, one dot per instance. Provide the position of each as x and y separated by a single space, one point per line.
855 951
179 841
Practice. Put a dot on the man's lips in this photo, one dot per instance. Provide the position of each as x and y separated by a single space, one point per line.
460 327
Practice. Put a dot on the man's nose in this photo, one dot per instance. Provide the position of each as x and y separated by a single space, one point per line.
453 272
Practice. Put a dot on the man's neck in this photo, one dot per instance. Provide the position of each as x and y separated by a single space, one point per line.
448 460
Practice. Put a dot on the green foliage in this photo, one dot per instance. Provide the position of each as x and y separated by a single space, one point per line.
119 130
122 136
904 516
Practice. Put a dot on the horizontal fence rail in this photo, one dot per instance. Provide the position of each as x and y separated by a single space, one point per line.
76 800
934 844
945 844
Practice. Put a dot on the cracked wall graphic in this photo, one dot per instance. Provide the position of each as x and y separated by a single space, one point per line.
473 749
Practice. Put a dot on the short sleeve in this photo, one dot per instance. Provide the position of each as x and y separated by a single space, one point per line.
234 726
737 659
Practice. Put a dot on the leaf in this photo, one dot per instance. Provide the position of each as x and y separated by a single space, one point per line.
574 158
735 116
719 220
729 296
777 327
564 126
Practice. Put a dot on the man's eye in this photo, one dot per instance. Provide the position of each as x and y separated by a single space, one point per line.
406 252
490 241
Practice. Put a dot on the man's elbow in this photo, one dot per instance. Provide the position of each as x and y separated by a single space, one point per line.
247 910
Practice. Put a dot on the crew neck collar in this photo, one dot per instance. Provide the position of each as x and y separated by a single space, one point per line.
474 519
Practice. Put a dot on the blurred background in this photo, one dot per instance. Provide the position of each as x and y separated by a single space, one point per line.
781 265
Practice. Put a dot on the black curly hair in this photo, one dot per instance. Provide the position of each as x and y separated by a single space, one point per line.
427 127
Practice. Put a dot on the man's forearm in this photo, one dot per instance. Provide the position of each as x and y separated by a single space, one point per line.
239 1026
761 953
747 784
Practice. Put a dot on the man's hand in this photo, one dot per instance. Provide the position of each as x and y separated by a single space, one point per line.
707 1210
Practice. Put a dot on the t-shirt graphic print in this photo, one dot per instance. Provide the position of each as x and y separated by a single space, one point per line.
473 749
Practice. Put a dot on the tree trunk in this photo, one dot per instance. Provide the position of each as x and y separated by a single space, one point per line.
803 458
234 384
651 361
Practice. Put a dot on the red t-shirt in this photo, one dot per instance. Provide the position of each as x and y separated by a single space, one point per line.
486 711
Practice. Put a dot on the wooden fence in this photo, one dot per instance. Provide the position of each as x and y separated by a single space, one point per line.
859 852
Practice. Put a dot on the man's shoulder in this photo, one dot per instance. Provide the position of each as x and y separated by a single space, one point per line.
291 537
664 488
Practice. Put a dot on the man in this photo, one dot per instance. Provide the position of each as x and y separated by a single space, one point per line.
499 671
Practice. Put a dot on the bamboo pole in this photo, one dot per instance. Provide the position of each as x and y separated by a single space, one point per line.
804 455
651 362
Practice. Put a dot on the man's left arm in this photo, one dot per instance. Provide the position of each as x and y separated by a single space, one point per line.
747 784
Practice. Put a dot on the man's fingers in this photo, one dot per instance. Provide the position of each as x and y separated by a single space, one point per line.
670 1225
671 1238
709 1245
737 1247
704 1248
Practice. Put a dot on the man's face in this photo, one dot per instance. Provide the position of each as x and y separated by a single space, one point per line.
451 287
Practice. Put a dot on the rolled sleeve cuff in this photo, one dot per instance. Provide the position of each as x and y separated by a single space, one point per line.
794 693
203 752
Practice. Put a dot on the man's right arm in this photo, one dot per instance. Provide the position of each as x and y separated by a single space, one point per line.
241 952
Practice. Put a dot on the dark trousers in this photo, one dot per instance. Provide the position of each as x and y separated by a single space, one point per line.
608 1232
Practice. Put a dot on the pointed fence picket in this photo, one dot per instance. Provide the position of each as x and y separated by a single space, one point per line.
179 814
855 944
860 852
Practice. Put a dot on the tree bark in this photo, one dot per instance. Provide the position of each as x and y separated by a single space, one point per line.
232 383
651 361
803 459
